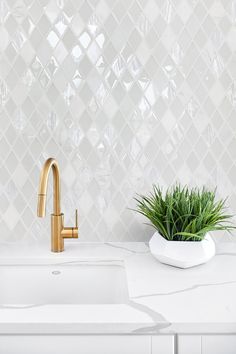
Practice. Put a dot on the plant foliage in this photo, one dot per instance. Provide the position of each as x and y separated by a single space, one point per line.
184 214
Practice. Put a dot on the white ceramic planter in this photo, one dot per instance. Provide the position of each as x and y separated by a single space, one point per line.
182 254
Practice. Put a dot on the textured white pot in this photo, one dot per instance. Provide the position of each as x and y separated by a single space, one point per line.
182 254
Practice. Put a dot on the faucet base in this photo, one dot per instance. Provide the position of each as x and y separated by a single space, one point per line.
59 232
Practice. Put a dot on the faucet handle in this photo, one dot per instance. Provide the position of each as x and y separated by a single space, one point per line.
76 217
71 232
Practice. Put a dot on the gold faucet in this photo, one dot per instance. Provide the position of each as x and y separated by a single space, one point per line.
58 231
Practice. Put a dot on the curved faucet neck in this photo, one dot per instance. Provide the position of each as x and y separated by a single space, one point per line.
43 184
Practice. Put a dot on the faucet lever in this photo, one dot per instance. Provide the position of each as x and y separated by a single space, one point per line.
76 217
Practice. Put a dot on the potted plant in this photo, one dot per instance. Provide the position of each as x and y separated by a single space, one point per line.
183 219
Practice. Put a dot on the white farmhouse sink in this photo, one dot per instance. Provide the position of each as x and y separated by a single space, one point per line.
68 283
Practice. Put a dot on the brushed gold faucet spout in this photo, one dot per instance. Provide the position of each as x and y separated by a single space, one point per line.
43 184
58 231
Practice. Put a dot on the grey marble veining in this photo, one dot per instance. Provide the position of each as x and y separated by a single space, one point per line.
20 307
130 249
226 254
196 286
159 321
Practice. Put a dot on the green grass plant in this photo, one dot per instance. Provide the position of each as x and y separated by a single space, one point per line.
184 214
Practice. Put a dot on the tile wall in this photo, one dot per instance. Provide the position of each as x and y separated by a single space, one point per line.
124 94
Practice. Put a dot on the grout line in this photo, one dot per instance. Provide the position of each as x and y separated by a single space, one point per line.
176 343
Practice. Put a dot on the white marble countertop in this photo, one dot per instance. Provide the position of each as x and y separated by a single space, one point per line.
163 299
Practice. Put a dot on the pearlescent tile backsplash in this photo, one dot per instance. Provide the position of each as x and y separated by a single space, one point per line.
123 94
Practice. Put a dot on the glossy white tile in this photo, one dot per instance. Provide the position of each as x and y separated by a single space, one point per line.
123 95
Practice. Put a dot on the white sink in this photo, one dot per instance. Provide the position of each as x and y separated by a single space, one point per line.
69 283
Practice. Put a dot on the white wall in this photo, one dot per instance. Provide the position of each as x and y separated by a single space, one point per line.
124 94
